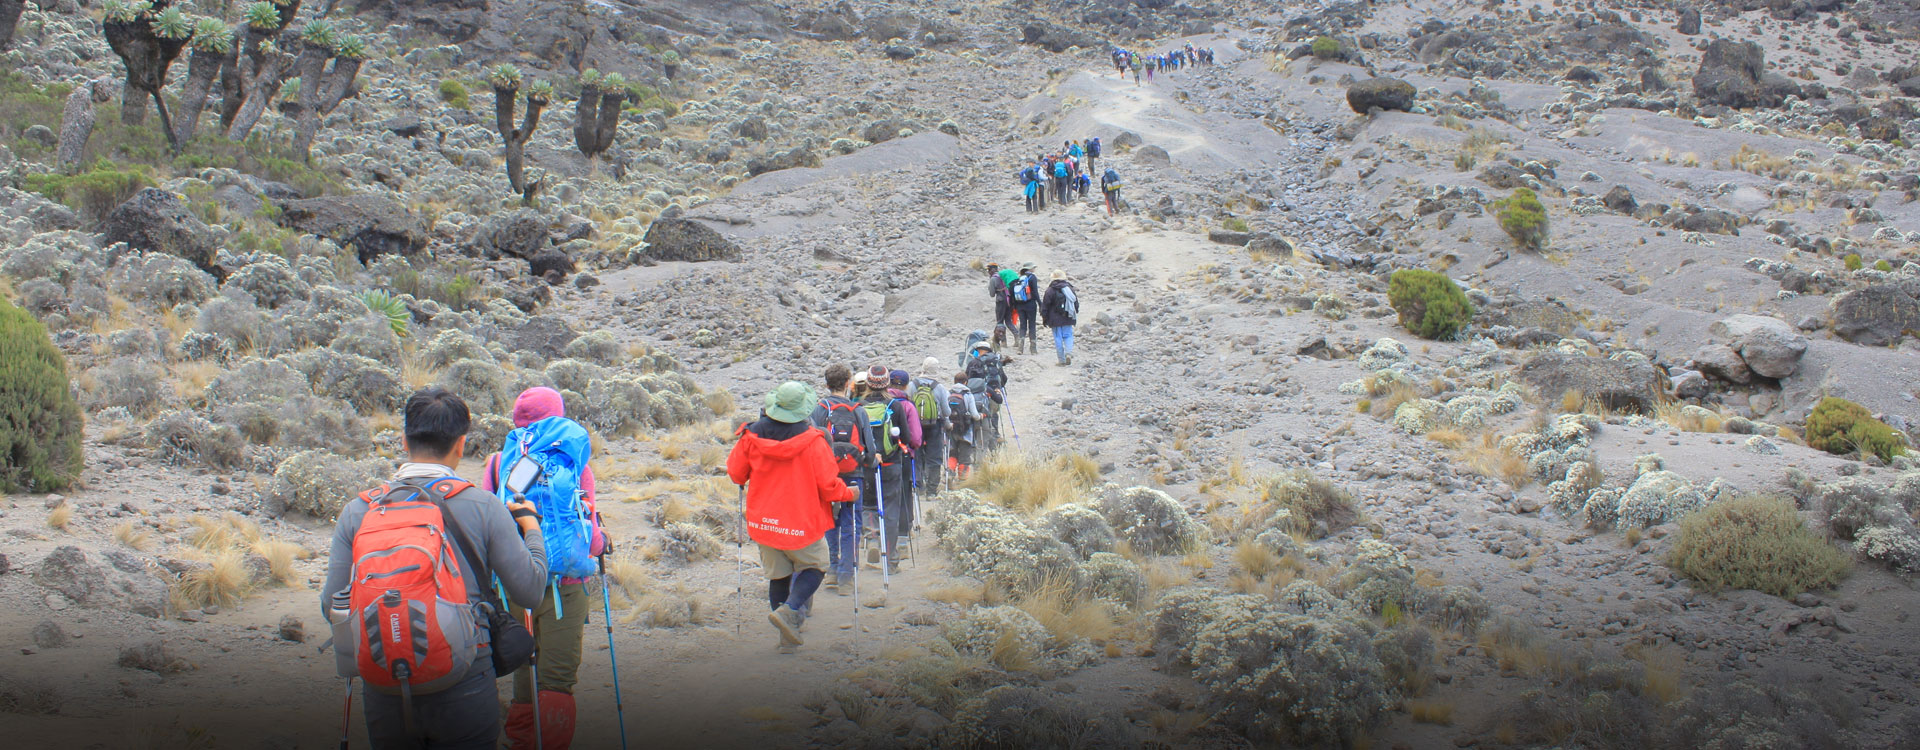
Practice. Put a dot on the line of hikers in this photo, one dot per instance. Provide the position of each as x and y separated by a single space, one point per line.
1019 306
1171 60
436 586
1068 171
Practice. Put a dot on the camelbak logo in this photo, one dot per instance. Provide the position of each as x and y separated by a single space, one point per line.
393 627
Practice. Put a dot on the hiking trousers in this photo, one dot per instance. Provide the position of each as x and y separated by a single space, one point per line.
1063 343
931 460
1029 326
559 641
463 717
842 545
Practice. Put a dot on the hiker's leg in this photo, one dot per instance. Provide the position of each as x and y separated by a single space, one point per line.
1066 334
561 639
465 716
811 561
843 526
778 590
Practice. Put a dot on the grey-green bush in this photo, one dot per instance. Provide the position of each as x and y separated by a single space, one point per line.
40 425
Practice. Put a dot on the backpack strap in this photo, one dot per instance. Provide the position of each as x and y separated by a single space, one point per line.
435 492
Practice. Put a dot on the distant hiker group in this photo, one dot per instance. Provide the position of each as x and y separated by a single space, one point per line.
1125 61
1067 172
1019 306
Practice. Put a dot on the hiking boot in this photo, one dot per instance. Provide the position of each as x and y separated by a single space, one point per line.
832 582
788 621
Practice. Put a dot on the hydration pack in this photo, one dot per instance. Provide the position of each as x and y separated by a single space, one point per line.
926 401
844 433
562 448
409 627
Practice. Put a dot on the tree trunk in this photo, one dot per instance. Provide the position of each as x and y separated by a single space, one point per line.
76 121
9 17
331 89
202 68
233 86
262 84
146 57
133 104
586 113
608 125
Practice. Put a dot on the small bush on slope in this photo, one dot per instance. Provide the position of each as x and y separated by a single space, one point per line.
1430 305
1758 543
1523 218
40 425
1840 427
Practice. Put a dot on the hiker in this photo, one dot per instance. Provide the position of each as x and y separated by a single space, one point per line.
929 396
845 424
895 427
1135 64
558 630
1061 171
1110 187
1025 292
448 703
1002 307
1011 321
964 413
986 380
1060 308
1093 154
792 483
912 441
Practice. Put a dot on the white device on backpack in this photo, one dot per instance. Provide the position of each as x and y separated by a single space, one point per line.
525 472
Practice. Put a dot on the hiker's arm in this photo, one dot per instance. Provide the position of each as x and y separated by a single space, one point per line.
739 464
340 558
598 541
490 474
516 554
826 476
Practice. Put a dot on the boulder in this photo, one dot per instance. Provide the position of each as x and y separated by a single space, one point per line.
1722 362
158 221
1880 128
372 225
1711 221
1878 315
1269 243
1228 237
774 161
1617 383
881 131
1620 200
900 52
1127 139
117 580
515 234
1582 74
1767 345
1152 156
1734 74
552 261
673 236
1381 93
1054 37
1689 21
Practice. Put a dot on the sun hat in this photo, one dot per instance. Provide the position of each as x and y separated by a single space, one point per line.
931 364
1059 275
792 402
899 377
983 345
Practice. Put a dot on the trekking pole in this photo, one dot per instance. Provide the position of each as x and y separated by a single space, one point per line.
854 550
346 716
534 664
913 468
613 658
1015 426
740 576
880 504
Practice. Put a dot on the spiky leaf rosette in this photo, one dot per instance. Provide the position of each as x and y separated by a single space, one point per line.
120 11
670 57
614 82
319 32
389 307
540 92
262 15
504 76
172 23
212 35
590 79
352 47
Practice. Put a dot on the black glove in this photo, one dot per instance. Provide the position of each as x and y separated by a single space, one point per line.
519 513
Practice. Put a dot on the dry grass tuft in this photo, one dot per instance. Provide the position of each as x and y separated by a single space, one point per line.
60 516
1689 420
963 594
1449 437
280 556
1486 458
1021 482
1162 575
133 535
221 580
1431 712
1070 616
721 402
227 532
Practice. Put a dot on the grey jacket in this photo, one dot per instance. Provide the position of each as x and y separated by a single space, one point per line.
521 564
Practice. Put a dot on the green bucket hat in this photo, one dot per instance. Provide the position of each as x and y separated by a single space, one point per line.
792 402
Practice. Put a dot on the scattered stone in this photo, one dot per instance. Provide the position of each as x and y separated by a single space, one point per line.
292 629
48 635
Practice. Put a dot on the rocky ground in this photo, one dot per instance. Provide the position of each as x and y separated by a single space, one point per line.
1733 236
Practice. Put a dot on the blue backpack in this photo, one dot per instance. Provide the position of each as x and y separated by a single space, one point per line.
1112 177
1060 169
561 447
1021 289
1093 148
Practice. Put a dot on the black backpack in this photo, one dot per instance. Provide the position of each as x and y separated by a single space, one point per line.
959 414
988 367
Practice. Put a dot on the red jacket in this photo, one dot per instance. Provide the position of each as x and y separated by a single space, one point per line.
790 486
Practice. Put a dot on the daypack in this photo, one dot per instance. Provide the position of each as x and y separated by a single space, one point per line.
1023 290
844 433
562 448
988 368
1060 169
926 401
409 627
1093 148
960 408
880 420
1112 177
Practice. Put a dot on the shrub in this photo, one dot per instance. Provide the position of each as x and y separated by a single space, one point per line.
596 347
1755 542
1001 550
1151 520
1853 262
1523 218
40 424
1235 224
683 543
454 93
1029 717
134 384
1081 528
317 483
1883 265
1326 48
183 438
94 192
1841 427
1431 306
1300 503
